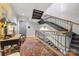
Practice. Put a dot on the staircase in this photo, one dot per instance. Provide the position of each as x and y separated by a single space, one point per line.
74 47
57 23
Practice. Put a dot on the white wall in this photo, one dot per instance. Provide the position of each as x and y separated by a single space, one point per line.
33 26
31 30
68 11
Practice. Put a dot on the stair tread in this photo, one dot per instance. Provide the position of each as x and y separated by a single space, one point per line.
76 46
75 41
74 50
77 36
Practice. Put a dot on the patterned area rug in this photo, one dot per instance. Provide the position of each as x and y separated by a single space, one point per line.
14 54
32 47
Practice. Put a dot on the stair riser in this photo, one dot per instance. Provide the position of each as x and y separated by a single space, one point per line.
75 42
75 47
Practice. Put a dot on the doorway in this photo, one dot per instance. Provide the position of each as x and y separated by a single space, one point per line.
22 27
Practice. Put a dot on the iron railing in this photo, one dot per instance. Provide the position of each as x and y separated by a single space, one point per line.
54 38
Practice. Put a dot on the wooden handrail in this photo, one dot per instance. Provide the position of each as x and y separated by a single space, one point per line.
53 31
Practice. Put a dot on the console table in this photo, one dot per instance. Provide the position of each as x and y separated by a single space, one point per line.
11 41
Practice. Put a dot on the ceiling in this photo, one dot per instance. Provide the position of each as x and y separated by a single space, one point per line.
26 9
68 11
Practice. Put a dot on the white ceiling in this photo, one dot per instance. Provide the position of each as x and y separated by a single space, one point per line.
68 11
26 9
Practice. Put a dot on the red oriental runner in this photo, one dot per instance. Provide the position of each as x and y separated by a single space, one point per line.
32 47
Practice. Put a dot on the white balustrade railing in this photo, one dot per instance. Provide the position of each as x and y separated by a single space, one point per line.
59 40
63 23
